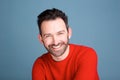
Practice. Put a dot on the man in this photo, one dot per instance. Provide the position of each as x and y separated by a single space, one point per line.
63 61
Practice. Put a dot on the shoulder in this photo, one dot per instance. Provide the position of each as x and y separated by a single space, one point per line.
41 59
82 51
83 55
81 47
39 67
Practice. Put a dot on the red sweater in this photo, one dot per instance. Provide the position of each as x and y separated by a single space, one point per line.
80 64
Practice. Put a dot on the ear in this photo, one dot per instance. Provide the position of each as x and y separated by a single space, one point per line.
40 38
69 32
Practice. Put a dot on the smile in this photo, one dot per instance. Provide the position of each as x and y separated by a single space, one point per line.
56 46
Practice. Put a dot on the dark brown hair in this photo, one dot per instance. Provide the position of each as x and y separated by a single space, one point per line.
51 14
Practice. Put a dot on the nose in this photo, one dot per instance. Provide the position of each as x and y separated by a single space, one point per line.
55 40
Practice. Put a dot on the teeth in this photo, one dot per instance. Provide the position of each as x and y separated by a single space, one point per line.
56 46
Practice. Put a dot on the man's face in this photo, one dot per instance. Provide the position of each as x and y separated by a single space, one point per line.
55 36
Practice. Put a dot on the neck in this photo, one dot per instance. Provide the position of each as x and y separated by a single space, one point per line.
62 57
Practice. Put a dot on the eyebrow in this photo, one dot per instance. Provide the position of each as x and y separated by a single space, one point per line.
61 31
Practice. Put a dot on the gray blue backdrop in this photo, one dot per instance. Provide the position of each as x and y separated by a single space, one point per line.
95 23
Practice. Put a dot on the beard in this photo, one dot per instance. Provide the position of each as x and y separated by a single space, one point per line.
57 49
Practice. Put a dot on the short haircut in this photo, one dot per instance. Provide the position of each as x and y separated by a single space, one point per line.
51 14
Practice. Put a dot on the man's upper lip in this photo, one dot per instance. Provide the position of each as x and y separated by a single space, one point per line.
56 46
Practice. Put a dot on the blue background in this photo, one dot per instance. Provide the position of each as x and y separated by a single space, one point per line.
95 23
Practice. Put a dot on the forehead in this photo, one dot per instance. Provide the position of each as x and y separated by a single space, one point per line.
52 26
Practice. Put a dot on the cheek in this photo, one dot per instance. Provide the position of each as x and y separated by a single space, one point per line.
47 42
64 39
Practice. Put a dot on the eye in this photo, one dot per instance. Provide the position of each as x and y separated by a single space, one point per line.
47 36
60 33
